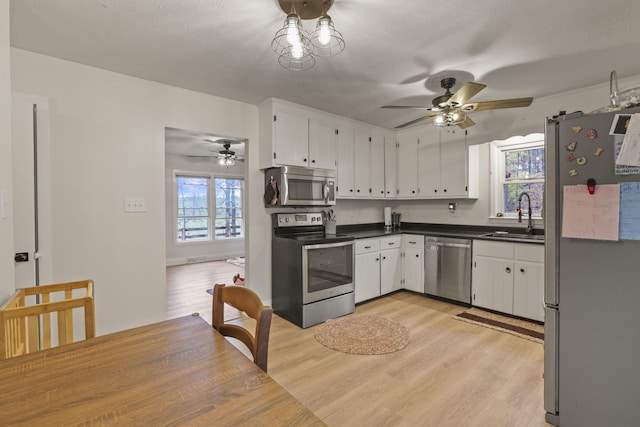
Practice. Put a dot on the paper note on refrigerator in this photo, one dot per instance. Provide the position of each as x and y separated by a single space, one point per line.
630 150
591 216
630 210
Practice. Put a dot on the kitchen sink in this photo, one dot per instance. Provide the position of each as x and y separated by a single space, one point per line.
515 236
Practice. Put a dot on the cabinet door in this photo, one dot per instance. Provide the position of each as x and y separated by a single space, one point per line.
413 269
390 271
362 163
492 284
390 167
528 290
322 143
407 166
453 167
345 172
291 138
429 165
376 170
367 276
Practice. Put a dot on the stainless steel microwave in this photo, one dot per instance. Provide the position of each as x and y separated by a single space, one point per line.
296 186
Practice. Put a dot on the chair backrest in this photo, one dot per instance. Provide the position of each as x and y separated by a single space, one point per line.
244 299
26 318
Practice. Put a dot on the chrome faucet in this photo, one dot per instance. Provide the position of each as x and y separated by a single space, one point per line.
530 222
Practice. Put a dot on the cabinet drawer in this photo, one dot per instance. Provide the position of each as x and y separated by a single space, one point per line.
390 242
363 246
413 241
493 249
529 252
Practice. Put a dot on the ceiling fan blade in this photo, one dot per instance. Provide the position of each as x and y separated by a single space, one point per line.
498 104
465 93
467 123
412 122
405 107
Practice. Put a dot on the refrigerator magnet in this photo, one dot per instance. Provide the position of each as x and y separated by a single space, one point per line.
592 134
571 157
581 161
576 129
573 172
598 151
572 146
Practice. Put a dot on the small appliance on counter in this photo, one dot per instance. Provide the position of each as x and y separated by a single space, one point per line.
395 220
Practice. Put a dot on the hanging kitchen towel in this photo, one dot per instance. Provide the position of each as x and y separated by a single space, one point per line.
271 193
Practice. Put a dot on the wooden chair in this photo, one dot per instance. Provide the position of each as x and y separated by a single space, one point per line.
244 299
25 322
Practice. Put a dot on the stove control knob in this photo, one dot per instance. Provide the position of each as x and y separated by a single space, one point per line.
286 219
281 219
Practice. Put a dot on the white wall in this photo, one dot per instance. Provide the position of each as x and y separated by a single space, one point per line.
107 137
491 125
204 251
6 221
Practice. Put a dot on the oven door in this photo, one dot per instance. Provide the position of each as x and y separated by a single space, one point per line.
327 270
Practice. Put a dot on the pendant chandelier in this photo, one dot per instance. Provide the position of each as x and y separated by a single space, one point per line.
297 49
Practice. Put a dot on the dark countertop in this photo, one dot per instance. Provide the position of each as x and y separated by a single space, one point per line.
517 235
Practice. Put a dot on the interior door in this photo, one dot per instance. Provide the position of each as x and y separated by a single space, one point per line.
31 189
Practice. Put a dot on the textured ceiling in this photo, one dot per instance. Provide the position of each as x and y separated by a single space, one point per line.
517 48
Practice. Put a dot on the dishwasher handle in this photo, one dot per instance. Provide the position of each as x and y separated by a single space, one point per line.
447 245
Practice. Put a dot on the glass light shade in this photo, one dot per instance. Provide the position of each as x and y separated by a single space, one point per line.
293 46
450 117
226 161
326 40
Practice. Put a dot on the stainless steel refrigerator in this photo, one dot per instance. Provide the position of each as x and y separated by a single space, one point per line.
592 286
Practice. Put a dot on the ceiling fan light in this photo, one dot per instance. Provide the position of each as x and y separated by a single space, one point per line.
226 161
439 119
291 34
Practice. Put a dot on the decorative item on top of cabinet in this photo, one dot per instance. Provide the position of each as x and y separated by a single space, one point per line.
295 135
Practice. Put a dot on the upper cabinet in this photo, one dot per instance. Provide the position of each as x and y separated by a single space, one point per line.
407 166
447 168
296 136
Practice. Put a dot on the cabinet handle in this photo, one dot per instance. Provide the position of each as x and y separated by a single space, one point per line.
417 256
358 191
384 257
391 243
313 161
351 190
413 191
413 243
304 160
367 247
445 190
382 192
508 270
435 191
377 259
522 270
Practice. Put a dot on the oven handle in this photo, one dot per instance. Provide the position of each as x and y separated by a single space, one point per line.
328 245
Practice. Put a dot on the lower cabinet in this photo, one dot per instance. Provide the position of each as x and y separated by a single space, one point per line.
378 268
413 262
509 277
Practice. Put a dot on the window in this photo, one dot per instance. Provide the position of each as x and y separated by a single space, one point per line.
229 219
193 208
518 167
205 213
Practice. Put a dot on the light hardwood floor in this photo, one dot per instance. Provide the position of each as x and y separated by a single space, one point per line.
451 373
187 287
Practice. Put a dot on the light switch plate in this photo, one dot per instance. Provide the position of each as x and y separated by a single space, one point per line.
135 205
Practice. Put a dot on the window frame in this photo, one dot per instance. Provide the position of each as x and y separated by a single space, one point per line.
497 172
242 207
211 176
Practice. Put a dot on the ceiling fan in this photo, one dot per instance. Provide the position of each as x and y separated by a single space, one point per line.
451 109
227 157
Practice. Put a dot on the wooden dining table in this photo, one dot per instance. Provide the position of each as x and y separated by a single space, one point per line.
176 372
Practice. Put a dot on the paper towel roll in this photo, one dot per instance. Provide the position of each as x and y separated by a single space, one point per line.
387 217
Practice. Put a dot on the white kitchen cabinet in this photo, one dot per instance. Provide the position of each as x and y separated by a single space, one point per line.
509 277
377 166
390 167
362 162
390 265
345 169
378 269
447 168
407 166
413 262
295 135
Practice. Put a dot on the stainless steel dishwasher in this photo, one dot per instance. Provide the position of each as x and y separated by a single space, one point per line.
447 268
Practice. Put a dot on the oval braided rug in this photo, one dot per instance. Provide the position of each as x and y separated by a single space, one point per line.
362 334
